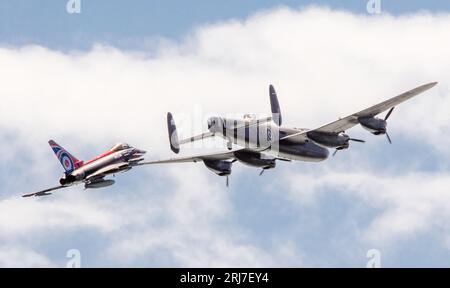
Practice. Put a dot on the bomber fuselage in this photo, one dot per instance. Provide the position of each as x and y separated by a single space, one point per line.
266 137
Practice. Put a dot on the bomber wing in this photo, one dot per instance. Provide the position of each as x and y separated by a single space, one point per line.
195 158
348 122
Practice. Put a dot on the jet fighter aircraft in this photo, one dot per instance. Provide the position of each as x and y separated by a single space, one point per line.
120 158
261 142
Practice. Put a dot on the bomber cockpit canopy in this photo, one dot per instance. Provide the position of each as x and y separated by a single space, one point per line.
249 117
120 146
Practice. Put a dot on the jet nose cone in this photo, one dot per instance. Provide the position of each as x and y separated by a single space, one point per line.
139 151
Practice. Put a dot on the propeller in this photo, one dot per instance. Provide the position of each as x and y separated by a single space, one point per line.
357 140
349 139
389 138
385 118
227 182
389 114
264 169
284 159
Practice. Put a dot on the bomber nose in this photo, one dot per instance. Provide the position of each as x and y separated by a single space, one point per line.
325 153
209 123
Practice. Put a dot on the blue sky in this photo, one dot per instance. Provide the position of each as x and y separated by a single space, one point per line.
129 25
374 196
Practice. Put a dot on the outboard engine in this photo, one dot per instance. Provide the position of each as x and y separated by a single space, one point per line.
376 126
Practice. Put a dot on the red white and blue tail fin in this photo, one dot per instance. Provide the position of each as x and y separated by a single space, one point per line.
67 160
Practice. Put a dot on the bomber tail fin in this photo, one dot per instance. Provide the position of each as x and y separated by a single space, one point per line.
173 135
275 106
67 160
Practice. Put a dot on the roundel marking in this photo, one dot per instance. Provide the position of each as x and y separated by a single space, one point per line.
66 162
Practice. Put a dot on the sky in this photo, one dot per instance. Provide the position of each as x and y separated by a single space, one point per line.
112 72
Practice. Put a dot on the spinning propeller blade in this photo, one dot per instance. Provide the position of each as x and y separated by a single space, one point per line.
389 138
357 140
385 118
388 114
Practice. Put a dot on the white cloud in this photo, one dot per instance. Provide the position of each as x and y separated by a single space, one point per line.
412 204
22 257
324 64
192 224
21 217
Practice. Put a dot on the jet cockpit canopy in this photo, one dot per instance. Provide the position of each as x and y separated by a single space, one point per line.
120 146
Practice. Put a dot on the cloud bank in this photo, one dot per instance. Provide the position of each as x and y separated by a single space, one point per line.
325 64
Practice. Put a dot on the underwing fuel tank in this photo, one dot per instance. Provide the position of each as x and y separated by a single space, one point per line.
99 184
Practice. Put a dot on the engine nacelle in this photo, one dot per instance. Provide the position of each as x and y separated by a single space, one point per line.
254 159
331 140
376 126
220 167
307 151
99 184
66 180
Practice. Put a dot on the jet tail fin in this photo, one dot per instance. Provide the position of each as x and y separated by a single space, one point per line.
275 106
67 160
173 135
